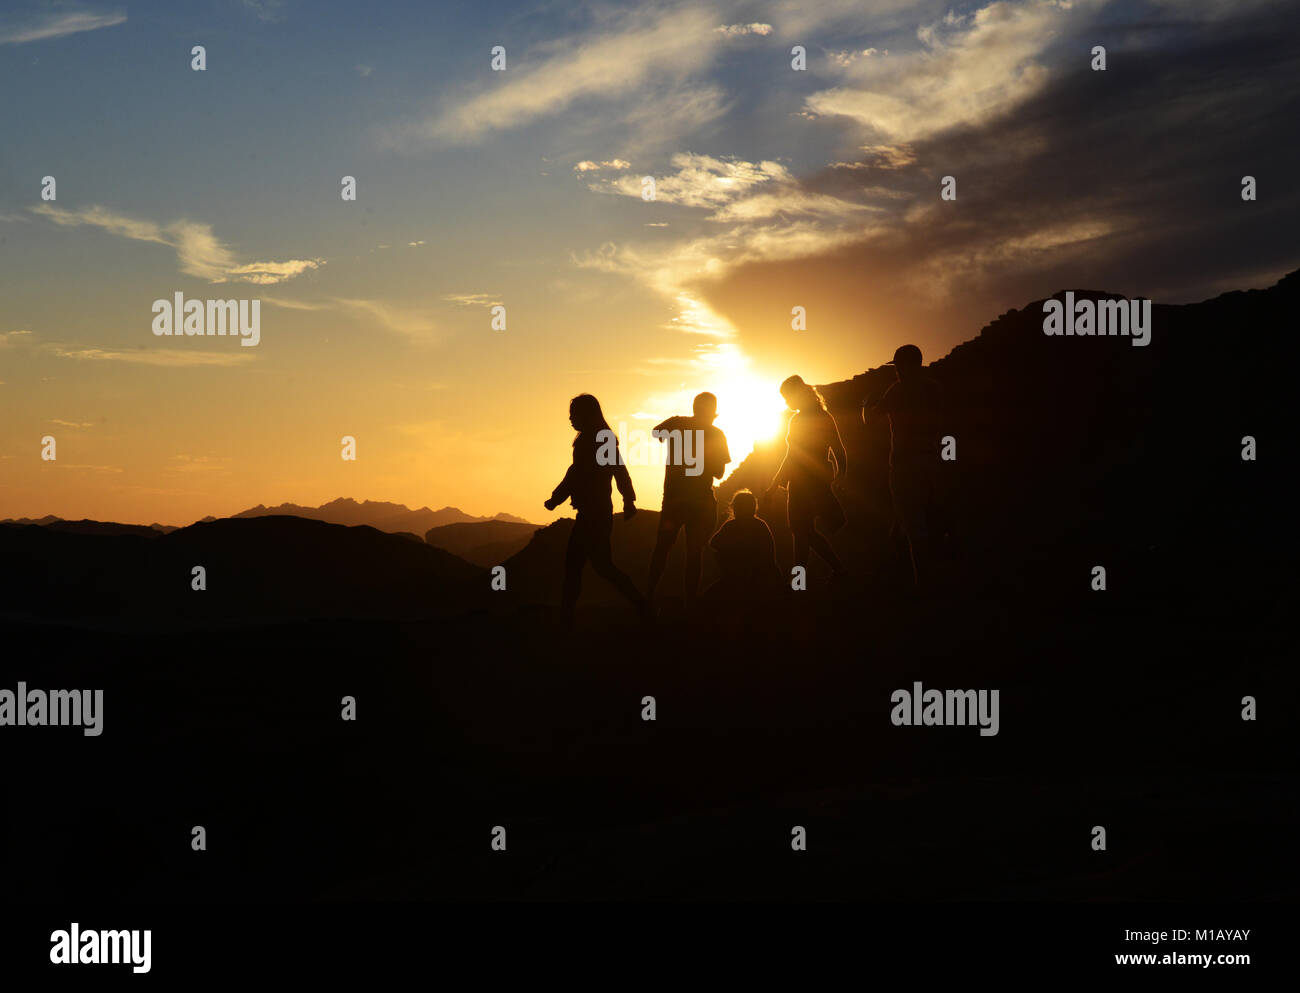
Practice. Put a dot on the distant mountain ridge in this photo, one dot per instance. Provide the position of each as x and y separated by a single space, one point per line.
393 518
85 526
390 517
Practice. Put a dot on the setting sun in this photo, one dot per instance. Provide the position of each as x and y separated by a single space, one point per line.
749 413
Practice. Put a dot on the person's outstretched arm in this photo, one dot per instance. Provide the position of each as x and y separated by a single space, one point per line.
780 479
561 492
667 424
837 450
872 412
783 470
623 480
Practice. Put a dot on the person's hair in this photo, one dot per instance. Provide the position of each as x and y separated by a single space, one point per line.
796 385
703 401
744 499
587 417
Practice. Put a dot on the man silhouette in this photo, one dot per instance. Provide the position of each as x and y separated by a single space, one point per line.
697 455
912 405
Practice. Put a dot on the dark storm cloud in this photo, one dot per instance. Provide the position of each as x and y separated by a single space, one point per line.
1126 180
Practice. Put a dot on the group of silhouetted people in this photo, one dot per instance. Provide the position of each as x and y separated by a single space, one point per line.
815 461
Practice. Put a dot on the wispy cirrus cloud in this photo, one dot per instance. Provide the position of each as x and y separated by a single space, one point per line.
412 323
736 190
656 55
9 339
700 180
295 304
270 273
472 299
791 200
153 356
736 30
671 267
199 251
886 157
47 25
846 59
408 322
588 166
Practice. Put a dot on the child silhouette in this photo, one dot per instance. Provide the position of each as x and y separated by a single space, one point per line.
746 552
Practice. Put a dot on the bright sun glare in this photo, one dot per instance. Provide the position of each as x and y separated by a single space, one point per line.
749 404
749 411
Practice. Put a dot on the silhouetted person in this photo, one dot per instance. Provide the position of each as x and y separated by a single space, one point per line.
596 462
814 458
746 553
697 455
913 407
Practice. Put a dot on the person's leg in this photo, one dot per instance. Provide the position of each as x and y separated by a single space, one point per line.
830 515
799 518
698 531
918 532
899 528
575 557
694 565
602 561
832 512
664 539
903 485
817 541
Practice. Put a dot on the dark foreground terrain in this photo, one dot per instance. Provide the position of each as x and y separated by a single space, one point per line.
1127 717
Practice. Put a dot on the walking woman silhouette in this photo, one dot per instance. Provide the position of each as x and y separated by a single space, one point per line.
596 463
